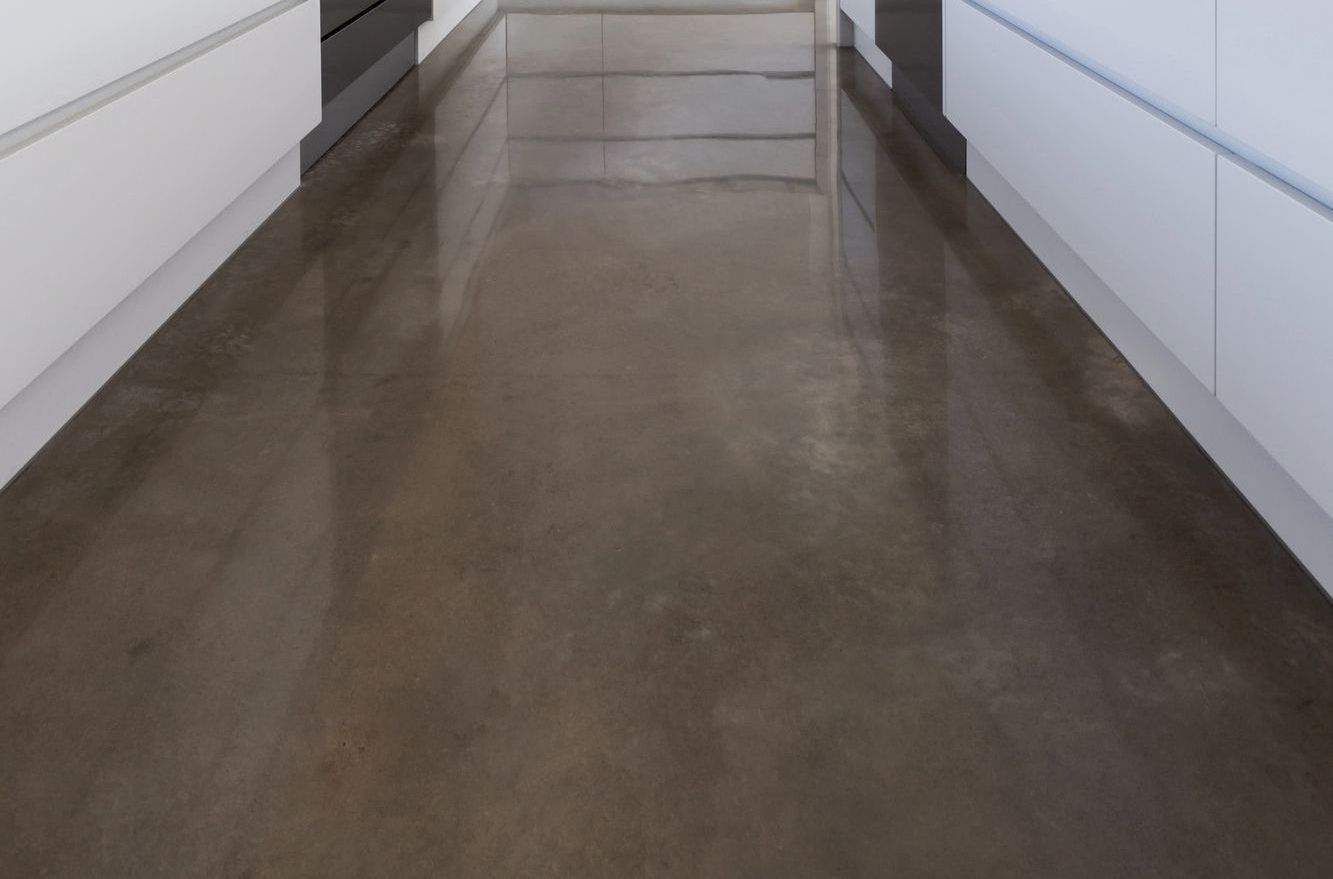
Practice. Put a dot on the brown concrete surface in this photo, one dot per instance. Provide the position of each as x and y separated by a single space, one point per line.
570 482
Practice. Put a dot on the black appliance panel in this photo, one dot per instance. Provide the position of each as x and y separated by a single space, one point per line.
357 46
333 14
911 33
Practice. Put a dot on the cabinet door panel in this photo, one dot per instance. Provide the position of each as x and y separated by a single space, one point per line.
95 207
53 53
862 14
1163 50
1131 192
1275 322
1275 82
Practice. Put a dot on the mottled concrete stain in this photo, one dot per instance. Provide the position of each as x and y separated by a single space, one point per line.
468 527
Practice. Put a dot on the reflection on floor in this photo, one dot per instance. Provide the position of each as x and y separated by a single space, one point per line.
655 99
632 453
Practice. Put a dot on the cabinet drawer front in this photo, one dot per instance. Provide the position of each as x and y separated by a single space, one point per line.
1275 322
1132 193
1165 51
1275 82
92 209
53 53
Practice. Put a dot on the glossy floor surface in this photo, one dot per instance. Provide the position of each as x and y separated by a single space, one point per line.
632 453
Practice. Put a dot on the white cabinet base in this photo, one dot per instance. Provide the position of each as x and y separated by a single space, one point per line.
29 420
861 13
874 55
445 16
851 36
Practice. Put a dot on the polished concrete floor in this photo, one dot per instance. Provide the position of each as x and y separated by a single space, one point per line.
676 474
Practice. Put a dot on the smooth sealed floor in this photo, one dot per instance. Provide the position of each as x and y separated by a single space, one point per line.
632 453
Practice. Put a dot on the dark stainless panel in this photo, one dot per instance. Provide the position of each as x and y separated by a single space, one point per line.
911 34
341 113
335 13
353 50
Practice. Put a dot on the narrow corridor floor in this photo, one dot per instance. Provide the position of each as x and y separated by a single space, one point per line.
633 454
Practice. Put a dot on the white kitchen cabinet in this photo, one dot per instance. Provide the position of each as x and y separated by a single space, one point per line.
54 53
93 208
1275 321
1132 193
862 14
1163 51
1275 82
